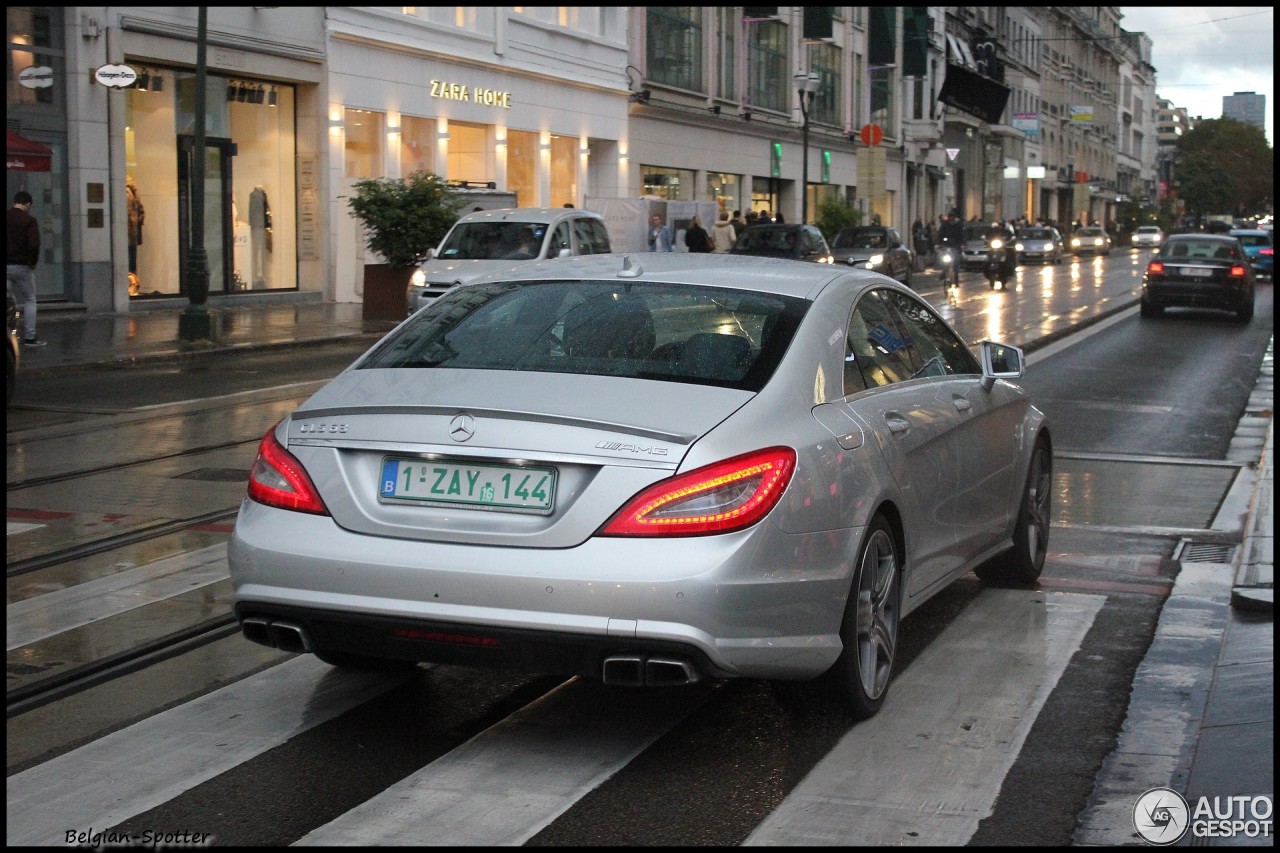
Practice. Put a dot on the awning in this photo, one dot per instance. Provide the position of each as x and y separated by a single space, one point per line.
974 94
24 155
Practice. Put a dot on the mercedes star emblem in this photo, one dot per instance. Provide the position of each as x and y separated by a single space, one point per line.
462 427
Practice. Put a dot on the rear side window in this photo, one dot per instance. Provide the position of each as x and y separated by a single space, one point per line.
592 237
644 330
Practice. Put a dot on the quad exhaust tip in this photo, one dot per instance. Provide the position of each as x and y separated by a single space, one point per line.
640 671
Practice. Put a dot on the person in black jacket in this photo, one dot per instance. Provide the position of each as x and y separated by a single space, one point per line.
696 237
22 253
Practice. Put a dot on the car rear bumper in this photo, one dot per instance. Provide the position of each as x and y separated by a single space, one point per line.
1183 294
563 610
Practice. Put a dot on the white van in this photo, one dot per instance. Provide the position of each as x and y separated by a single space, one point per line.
489 241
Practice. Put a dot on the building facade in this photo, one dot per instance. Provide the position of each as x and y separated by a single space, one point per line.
736 108
1247 107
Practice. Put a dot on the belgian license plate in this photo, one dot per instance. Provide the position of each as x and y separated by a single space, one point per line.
468 483
1198 272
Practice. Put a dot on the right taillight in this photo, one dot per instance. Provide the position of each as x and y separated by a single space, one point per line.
716 498
278 479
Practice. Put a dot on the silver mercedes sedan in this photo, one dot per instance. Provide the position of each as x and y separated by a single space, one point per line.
649 470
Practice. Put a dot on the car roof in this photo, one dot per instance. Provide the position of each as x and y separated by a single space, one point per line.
545 215
1148 227
741 272
1249 232
1201 235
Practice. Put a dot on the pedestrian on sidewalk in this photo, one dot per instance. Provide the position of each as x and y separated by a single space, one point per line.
696 238
21 256
659 235
723 234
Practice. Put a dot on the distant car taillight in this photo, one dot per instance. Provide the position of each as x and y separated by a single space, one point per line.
1155 268
717 498
278 479
1237 271
1267 251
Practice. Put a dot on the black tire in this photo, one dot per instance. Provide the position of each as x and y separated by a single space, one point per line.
1150 310
869 631
1023 563
346 660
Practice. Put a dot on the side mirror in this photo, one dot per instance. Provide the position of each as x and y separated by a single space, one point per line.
1000 361
431 253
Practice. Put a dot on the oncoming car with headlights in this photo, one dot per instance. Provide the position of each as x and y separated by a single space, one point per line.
648 470
486 241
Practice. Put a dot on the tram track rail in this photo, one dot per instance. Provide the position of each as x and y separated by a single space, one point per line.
38 693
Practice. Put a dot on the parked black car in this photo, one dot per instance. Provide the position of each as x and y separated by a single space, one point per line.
1199 271
794 242
875 247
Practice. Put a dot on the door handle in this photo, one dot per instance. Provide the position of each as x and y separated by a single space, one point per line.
896 422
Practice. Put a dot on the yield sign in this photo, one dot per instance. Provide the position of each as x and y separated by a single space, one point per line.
952 153
24 155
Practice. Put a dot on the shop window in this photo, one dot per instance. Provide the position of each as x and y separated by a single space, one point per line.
670 184
250 234
363 150
674 46
35 40
470 152
564 171
725 190
522 158
417 145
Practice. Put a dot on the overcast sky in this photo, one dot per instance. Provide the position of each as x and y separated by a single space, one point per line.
1202 53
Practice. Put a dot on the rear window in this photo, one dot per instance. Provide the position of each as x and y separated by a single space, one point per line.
645 330
1201 249
493 241
1254 239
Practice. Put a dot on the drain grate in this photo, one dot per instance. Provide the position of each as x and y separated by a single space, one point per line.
1206 552
218 475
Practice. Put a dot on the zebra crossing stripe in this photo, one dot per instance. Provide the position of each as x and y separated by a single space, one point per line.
979 686
137 768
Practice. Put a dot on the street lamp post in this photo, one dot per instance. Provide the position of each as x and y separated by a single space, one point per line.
807 86
195 324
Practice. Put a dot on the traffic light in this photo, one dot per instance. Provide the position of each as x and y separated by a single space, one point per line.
775 159
826 167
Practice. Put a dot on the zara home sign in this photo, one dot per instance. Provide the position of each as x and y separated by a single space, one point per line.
459 92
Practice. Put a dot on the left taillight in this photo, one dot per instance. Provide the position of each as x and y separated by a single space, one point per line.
278 479
717 498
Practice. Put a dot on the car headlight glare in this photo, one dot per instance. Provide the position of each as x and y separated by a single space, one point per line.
997 243
875 260
418 279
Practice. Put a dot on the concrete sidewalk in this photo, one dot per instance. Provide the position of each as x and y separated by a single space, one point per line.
76 339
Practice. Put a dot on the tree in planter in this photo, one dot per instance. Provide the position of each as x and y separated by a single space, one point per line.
834 216
404 217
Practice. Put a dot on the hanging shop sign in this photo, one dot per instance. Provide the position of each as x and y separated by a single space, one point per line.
36 77
116 76
471 94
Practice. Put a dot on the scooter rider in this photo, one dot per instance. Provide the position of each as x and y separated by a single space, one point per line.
950 237
1002 257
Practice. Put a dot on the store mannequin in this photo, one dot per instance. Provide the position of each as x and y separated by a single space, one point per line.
137 215
260 225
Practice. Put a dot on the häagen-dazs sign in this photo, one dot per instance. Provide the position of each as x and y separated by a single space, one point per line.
116 76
